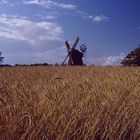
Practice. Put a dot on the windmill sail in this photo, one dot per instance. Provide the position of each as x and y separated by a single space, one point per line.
69 49
67 45
75 43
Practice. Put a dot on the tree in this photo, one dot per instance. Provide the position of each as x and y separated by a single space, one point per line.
133 58
1 58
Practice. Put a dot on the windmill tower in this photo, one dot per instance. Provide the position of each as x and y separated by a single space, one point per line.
74 56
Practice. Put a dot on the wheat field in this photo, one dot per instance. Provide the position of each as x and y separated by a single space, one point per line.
69 103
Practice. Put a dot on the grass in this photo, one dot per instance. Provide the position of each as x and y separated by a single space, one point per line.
69 103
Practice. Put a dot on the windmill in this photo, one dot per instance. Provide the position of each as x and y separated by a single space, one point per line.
74 55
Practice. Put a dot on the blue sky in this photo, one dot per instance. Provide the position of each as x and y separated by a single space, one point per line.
34 31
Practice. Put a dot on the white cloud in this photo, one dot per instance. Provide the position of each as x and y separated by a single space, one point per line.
95 18
113 60
23 29
38 2
67 6
50 4
49 17
99 18
6 2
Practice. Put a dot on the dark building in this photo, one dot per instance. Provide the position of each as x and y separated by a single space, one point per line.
75 57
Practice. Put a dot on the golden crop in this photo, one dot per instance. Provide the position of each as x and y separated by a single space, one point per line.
69 103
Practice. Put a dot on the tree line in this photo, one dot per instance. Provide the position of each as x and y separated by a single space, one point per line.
1 58
132 58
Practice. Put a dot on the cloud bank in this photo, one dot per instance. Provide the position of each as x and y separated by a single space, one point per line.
94 18
112 60
21 28
99 18
50 4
